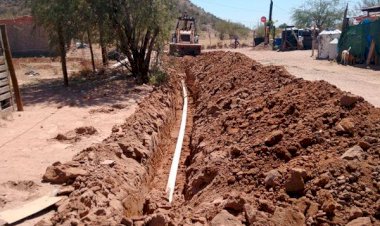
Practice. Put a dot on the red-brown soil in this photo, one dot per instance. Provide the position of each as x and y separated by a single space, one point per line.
108 181
264 148
271 149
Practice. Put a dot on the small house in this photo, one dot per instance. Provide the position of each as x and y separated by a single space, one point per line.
26 39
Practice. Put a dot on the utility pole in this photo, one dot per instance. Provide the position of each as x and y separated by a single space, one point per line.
269 23
270 10
345 19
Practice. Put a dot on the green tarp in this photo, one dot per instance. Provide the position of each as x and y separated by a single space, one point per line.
359 38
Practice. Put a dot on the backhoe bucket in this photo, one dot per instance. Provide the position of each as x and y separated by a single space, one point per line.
180 49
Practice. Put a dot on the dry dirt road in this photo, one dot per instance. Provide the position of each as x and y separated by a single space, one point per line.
359 81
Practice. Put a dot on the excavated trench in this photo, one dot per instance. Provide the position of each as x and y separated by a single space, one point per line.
123 179
267 148
108 183
261 147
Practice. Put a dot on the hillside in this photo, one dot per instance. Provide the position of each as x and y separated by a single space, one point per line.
208 22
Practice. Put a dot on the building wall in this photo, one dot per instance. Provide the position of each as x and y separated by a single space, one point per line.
26 39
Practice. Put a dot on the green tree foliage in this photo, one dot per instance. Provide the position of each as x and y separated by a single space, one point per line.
228 29
100 11
139 25
368 3
365 3
13 8
59 18
260 30
325 13
283 26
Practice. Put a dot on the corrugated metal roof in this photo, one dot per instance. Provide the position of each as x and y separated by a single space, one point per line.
371 9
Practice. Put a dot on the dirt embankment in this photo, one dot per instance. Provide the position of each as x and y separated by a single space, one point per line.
265 148
107 182
270 149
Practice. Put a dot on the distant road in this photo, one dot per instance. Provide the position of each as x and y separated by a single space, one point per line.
359 81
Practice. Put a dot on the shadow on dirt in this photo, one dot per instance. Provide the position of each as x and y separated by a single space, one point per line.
82 92
369 67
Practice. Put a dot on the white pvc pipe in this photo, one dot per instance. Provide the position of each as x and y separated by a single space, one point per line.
119 64
177 154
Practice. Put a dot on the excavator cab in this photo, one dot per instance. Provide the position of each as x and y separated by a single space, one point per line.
185 40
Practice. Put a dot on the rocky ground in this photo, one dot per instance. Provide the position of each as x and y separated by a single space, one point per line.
107 182
270 149
265 148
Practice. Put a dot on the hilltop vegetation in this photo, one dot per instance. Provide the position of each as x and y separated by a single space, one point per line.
208 22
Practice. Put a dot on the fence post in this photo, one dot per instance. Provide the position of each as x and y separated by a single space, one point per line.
8 58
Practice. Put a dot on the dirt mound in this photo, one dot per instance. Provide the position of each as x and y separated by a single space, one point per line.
77 134
108 181
21 185
266 148
262 47
108 110
271 149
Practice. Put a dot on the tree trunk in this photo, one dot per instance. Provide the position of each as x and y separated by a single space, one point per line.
91 50
62 52
140 68
103 46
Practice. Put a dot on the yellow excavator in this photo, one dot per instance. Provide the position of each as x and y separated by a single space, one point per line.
185 40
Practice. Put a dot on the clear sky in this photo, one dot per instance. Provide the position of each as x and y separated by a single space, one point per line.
249 12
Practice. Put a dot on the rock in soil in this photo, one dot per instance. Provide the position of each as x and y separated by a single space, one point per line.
355 152
272 178
109 179
224 218
287 217
361 221
60 174
276 138
248 120
295 183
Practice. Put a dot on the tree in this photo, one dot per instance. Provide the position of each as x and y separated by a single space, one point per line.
325 13
140 25
366 3
260 30
369 3
101 10
85 23
59 20
283 26
230 29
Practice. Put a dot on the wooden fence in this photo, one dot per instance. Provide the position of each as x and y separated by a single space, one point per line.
6 102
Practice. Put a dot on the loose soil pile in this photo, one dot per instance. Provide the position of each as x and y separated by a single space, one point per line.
77 134
266 148
270 149
108 181
109 109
